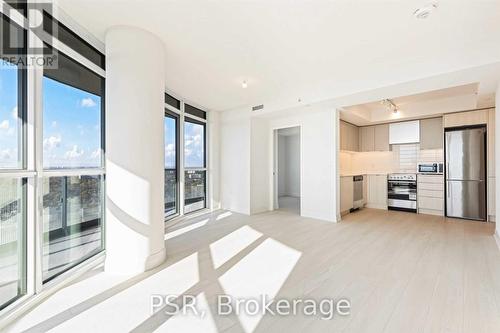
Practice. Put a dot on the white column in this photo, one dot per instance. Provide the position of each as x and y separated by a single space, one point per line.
135 82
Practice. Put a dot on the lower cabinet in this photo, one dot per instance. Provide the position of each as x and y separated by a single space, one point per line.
376 191
430 191
346 194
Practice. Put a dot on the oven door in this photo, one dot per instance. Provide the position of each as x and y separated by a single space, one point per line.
402 190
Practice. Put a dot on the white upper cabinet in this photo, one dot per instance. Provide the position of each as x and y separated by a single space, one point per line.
405 132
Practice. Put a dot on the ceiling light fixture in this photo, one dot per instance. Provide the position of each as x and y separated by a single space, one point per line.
425 11
244 84
390 105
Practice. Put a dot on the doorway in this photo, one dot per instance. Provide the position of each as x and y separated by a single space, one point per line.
287 169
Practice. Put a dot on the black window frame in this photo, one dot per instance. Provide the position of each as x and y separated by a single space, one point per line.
72 40
194 111
172 101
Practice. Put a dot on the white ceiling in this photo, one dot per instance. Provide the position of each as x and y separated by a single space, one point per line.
312 50
428 104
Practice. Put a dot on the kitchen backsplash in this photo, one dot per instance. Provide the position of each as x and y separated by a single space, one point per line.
402 158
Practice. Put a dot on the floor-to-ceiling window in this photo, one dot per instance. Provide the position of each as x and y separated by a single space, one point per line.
194 165
171 124
185 155
51 153
72 140
13 168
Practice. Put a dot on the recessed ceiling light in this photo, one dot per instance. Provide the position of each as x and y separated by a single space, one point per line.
426 11
244 84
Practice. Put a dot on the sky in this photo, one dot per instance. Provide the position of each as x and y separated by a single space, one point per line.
193 144
71 124
71 127
8 117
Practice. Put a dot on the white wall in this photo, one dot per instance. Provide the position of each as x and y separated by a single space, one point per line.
235 161
281 165
259 167
246 160
318 180
213 133
497 161
292 169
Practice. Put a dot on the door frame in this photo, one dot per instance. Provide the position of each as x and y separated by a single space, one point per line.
274 170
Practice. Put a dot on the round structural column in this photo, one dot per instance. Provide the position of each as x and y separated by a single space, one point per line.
135 85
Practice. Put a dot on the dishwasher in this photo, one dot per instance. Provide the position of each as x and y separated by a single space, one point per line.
357 192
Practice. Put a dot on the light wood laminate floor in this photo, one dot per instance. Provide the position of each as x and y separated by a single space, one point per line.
402 272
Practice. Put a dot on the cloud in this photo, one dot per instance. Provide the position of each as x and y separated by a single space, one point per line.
193 144
5 154
52 142
14 112
169 150
87 103
5 125
74 153
96 154
54 124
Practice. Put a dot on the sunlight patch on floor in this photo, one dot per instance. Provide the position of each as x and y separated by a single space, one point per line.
262 272
231 244
180 231
223 216
190 322
115 315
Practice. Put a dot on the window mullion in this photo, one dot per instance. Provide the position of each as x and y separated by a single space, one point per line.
35 151
181 160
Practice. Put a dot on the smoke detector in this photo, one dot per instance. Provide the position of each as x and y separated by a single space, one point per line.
426 11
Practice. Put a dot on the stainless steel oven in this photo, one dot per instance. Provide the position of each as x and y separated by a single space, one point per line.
402 192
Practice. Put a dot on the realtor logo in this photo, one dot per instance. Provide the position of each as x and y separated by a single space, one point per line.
21 18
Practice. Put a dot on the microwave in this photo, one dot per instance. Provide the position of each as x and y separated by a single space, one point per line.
430 168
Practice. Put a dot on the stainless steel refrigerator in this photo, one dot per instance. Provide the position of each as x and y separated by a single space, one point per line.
466 173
